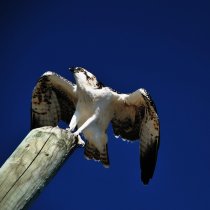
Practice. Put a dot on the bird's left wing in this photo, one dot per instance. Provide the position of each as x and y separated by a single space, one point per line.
135 117
53 99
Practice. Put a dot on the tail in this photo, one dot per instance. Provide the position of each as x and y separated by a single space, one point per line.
91 152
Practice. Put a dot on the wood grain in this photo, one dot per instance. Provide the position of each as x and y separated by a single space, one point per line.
32 164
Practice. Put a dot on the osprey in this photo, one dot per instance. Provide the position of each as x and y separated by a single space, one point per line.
89 106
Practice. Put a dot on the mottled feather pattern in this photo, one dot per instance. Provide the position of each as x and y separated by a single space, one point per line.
150 140
127 127
148 96
45 107
91 152
136 118
51 101
133 116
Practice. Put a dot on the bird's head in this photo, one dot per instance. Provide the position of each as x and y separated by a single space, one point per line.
84 78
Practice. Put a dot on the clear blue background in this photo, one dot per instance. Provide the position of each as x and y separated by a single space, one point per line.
163 46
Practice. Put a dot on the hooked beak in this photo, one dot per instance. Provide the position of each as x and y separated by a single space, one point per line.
75 69
72 69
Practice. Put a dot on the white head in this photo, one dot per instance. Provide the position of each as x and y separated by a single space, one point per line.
84 78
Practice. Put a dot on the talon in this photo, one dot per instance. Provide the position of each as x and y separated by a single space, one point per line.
76 133
80 142
70 130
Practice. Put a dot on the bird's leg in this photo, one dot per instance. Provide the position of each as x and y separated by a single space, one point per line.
72 126
88 122
74 121
85 124
80 141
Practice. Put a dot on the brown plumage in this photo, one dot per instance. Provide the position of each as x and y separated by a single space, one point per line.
89 106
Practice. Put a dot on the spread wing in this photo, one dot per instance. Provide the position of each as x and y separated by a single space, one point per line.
53 99
135 118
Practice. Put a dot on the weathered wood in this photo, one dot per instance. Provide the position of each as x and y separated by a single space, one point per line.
31 165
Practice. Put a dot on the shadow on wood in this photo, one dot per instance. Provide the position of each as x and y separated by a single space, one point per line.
32 164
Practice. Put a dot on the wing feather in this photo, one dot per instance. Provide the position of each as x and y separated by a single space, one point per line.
135 118
150 139
53 99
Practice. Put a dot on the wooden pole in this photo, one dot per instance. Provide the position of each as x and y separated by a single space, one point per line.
32 164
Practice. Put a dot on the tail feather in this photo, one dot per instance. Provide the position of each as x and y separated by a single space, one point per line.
91 152
104 157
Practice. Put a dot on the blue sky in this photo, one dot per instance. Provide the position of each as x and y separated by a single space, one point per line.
162 46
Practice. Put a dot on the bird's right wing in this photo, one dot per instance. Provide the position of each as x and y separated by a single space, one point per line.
53 99
135 118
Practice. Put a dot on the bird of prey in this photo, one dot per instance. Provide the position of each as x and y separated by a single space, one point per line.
89 106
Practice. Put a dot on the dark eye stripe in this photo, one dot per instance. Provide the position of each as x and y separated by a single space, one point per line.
79 69
86 75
